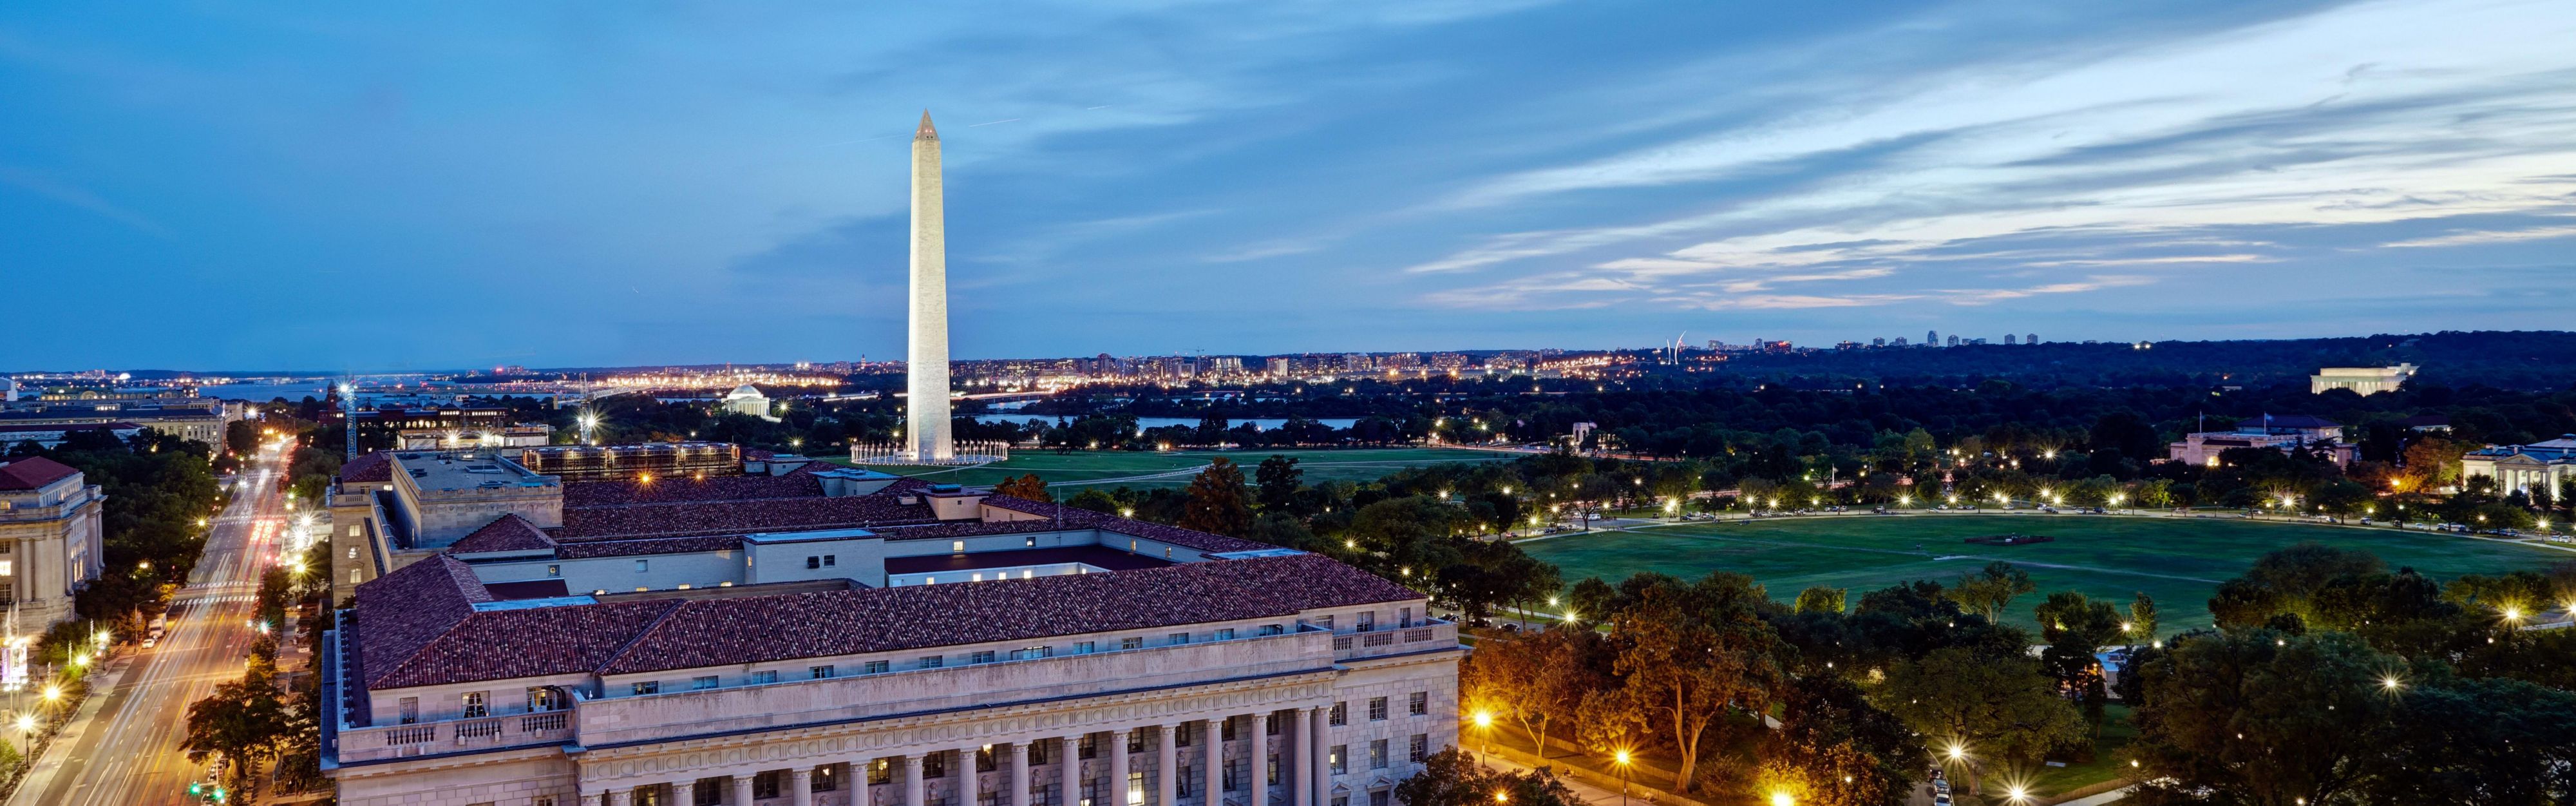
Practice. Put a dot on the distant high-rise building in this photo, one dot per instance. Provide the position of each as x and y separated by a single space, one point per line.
2008 338
1900 341
1280 367
1954 339
1932 338
2030 338
1880 341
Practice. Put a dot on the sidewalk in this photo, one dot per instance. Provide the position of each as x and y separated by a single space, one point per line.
42 769
1590 794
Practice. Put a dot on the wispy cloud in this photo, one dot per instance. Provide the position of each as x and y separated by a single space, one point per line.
2474 237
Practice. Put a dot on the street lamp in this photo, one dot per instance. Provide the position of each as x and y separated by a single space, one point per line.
1622 758
1783 799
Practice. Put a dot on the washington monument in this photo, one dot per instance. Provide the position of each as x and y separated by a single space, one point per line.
925 429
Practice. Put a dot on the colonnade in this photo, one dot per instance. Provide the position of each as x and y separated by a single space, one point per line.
1304 771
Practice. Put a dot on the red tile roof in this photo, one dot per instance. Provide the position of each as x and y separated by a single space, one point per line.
651 545
1079 518
506 533
677 519
373 468
797 484
33 473
417 626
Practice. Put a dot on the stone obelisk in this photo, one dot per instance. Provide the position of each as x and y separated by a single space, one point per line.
926 365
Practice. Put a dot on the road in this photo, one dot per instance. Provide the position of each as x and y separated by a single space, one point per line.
125 751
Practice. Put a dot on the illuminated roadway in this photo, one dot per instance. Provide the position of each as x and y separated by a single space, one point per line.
127 753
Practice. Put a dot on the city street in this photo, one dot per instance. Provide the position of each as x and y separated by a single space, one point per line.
124 749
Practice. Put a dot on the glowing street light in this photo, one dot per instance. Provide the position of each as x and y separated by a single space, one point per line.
1783 799
1622 759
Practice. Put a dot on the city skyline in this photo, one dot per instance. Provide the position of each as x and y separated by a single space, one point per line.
559 189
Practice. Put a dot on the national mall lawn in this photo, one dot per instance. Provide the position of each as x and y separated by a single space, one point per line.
2177 560
1149 469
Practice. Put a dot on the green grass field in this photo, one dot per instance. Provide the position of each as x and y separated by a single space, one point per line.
1115 468
2178 561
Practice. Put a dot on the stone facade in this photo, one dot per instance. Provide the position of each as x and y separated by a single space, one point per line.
49 539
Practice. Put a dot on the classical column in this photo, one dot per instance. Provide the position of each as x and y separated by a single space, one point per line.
1167 774
1117 770
966 776
860 793
1298 762
741 791
1257 750
800 786
611 798
682 791
1019 791
1069 776
1213 736
1319 764
912 780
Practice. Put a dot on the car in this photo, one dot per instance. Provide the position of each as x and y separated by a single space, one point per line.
1940 800
1941 785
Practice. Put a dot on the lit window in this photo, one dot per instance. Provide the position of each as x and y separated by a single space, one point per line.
1418 705
648 687
956 545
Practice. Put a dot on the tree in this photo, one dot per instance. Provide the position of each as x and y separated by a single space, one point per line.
1690 655
244 721
1987 591
241 436
2142 618
2287 581
2260 717
2476 741
1835 749
1821 599
1279 479
1988 705
1451 778
1029 487
1537 680
2076 627
1216 500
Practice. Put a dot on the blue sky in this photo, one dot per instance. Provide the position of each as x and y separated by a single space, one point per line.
408 186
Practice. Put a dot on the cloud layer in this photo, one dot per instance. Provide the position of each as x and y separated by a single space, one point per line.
384 188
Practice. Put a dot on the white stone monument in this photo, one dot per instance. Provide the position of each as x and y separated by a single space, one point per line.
925 432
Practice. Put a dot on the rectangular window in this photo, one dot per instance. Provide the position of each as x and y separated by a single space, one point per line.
648 687
933 661
1325 622
1229 777
1381 797
1189 732
1089 747
353 550
1131 643
812 562
542 699
766 784
830 559
1273 629
1377 754
1366 622
1341 759
1269 724
702 682
1042 752
640 565
1341 800
1341 714
1377 709
1177 639
409 709
1420 749
475 706
934 765
1404 617
820 672
1226 634
881 772
708 792
1226 731
980 656
1418 704
1083 647
1033 653
827 778
878 667
764 676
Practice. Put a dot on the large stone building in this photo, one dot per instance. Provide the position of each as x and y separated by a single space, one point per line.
2365 381
2542 467
838 637
49 539
199 420
2279 432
